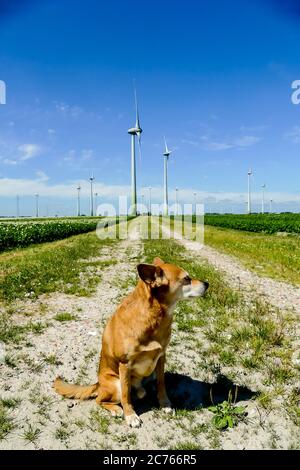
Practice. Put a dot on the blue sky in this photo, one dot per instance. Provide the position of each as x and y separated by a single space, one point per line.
214 77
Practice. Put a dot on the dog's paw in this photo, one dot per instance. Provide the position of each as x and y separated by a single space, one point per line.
133 421
117 413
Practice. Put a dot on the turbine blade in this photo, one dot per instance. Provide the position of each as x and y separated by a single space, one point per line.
137 118
168 151
166 148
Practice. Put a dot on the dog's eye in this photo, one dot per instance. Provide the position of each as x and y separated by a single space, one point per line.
187 280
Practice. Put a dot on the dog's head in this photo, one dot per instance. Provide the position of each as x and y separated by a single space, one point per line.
171 282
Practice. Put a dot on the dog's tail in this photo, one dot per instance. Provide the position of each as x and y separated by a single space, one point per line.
81 392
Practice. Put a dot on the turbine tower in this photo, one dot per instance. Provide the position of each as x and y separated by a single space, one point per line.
91 196
263 198
78 200
166 154
36 204
249 191
135 131
150 202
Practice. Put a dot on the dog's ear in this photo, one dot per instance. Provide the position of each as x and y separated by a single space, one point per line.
150 274
158 261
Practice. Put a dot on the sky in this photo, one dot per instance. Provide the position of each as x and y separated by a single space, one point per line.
214 77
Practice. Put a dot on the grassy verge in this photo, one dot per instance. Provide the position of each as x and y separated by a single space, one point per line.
49 267
249 342
275 256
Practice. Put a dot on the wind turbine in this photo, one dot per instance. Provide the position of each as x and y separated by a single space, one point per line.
91 196
249 190
263 198
195 202
176 198
166 154
36 204
150 189
135 131
96 203
78 200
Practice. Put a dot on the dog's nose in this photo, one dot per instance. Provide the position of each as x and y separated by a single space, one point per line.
206 284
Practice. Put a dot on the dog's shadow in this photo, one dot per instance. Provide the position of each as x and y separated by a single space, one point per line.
186 393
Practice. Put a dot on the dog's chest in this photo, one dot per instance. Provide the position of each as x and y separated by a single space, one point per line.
145 360
145 363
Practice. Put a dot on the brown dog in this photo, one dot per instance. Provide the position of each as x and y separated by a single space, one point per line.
135 340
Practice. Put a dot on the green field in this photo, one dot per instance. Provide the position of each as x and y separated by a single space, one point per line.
268 223
275 256
22 233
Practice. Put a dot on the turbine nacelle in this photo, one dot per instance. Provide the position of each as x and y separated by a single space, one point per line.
135 131
167 152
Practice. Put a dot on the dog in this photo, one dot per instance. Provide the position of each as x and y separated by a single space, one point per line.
135 340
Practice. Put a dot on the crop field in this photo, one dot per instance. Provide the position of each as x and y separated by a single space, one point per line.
21 233
233 363
268 223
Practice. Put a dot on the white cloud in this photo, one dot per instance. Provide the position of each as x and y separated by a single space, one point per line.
51 131
41 176
237 143
29 151
86 154
68 110
194 143
8 161
9 187
208 143
293 135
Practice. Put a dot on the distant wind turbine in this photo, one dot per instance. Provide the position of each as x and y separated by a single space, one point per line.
36 204
249 190
78 200
166 154
263 198
91 196
135 131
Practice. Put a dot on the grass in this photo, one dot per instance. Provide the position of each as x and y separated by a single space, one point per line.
186 445
12 333
49 267
65 316
6 422
99 421
51 360
10 403
62 433
274 256
31 434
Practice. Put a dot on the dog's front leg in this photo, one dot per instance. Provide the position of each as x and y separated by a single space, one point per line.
131 417
162 396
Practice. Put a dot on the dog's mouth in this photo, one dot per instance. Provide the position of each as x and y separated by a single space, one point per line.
195 289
